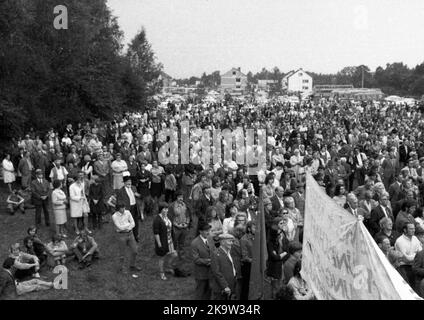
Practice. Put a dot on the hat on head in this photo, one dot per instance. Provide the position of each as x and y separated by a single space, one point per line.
226 236
203 226
126 178
421 159
38 171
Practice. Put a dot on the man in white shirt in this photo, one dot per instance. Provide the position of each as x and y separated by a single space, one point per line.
124 224
408 244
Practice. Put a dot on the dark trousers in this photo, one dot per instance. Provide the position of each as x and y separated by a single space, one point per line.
43 206
407 274
179 238
134 213
169 195
245 273
203 289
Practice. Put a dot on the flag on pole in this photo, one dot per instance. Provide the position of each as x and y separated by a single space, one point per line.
259 256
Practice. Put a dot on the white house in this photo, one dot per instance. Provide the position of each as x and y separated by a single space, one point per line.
297 81
233 81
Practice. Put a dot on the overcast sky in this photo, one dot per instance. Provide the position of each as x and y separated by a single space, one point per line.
194 36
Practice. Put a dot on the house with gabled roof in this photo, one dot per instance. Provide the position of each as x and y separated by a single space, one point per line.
298 81
233 81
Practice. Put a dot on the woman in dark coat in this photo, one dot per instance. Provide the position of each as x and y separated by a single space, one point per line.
164 244
277 246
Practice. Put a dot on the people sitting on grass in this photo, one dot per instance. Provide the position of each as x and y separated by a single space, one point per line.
26 265
57 250
10 287
15 202
85 249
38 245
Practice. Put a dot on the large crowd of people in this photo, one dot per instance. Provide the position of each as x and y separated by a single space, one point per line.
368 157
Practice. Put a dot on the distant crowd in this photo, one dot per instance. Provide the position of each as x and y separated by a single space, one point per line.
369 158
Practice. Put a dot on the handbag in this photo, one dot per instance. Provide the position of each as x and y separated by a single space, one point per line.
85 206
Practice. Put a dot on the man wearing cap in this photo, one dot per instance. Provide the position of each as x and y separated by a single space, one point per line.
201 253
225 269
40 189
124 224
127 195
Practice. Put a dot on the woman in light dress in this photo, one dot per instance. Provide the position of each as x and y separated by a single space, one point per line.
8 172
59 202
118 167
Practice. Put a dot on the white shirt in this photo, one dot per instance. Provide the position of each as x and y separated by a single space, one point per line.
231 259
123 221
60 173
130 194
408 247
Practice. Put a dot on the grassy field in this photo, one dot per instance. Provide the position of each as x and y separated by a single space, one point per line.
102 280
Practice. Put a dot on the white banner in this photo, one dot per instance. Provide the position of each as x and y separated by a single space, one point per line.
340 259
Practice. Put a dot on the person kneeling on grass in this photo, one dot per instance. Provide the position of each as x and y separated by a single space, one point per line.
85 249
57 250
26 265
10 287
15 202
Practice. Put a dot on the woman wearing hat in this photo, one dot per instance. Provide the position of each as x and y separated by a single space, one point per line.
164 244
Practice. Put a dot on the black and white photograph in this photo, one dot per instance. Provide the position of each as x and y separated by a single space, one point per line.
211 155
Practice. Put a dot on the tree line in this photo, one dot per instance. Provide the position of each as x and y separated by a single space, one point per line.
49 77
394 79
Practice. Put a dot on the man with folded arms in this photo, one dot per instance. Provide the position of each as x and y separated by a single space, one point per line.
124 224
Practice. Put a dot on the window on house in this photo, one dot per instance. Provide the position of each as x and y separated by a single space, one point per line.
238 87
238 79
306 81
234 73
305 88
300 74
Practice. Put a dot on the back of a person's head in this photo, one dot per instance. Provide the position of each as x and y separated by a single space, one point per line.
285 293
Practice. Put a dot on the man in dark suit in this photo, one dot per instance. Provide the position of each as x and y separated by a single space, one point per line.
389 167
127 196
404 150
203 203
7 281
40 189
225 270
379 212
395 191
201 253
25 168
277 200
